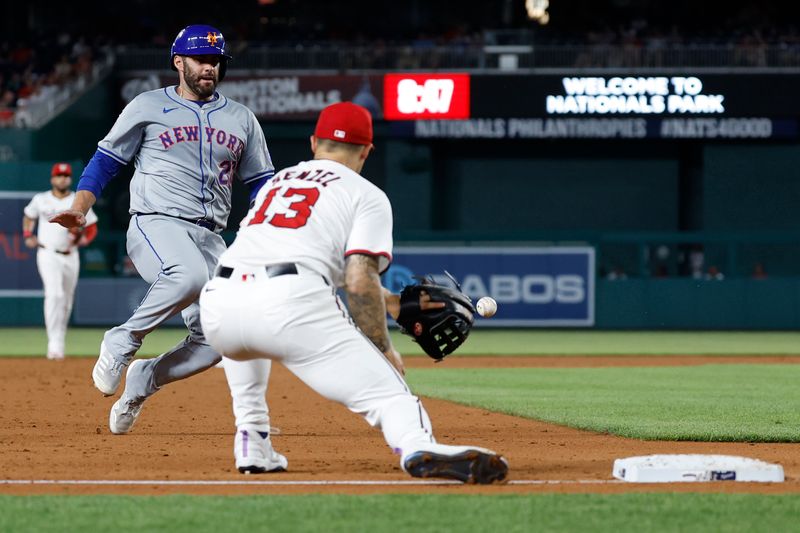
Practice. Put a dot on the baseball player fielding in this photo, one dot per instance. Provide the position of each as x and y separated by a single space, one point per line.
315 227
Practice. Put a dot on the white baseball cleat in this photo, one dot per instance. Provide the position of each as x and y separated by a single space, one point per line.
126 410
467 464
254 452
55 356
107 372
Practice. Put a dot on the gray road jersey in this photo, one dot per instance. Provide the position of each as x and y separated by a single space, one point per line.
186 156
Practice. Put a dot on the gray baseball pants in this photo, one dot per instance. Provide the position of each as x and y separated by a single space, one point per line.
177 258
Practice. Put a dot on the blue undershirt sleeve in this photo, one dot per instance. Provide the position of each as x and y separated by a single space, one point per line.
256 185
100 170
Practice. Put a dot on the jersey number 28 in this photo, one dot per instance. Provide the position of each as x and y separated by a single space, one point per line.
298 212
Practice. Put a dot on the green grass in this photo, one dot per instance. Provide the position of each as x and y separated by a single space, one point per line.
591 342
401 513
80 341
705 403
711 402
85 341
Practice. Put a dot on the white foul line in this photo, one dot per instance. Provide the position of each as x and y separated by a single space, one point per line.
286 483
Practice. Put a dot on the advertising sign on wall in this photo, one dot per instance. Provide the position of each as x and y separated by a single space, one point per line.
110 301
281 98
617 95
19 276
550 286
541 106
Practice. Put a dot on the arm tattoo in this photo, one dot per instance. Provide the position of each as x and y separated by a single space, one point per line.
365 299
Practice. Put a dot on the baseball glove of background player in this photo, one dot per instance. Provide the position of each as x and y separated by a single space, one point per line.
438 331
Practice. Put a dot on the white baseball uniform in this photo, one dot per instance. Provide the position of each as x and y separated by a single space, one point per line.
58 262
274 296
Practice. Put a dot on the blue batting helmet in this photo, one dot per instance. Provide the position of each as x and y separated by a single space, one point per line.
198 40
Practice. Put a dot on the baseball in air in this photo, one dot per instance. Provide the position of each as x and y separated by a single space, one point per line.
486 307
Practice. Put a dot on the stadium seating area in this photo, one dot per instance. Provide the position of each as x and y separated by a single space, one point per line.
282 34
634 24
41 74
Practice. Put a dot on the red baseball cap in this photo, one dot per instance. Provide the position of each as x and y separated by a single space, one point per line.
61 169
345 122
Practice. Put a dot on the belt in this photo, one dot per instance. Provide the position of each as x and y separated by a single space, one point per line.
272 271
202 222
43 247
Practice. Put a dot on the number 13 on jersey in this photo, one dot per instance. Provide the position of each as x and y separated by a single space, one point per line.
296 213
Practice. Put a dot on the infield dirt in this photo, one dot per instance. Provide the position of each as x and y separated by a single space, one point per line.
54 426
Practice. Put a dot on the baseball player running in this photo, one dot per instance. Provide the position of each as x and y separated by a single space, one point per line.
57 257
314 227
188 142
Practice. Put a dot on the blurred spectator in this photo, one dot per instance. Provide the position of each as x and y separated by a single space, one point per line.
759 272
655 48
27 86
751 50
365 97
631 48
63 69
697 260
616 273
661 261
79 48
407 60
714 273
83 66
691 260
661 271
7 108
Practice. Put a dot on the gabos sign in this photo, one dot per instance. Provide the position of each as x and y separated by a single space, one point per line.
426 96
547 287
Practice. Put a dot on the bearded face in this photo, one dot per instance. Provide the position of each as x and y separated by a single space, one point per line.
61 183
201 75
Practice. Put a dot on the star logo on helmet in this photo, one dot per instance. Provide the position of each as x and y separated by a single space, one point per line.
212 38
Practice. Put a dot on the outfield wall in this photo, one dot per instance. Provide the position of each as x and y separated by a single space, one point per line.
645 203
741 304
736 304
